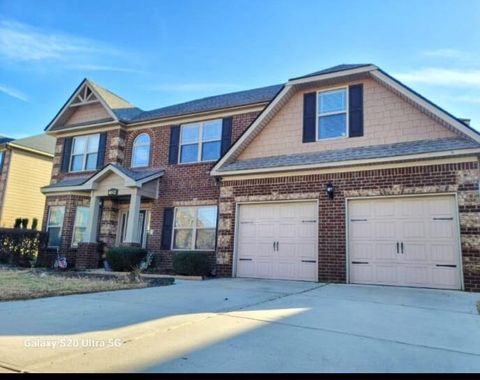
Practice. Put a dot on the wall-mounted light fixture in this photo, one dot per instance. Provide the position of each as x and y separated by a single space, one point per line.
330 190
112 192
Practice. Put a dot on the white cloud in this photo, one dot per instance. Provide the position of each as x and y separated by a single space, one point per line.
446 53
23 43
442 77
13 93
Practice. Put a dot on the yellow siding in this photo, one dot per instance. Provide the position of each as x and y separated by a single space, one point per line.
27 173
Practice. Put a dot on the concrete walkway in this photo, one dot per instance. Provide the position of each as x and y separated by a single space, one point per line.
241 325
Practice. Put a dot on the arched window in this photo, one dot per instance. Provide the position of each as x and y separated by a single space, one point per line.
141 151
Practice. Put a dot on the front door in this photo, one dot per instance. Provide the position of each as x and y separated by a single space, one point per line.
143 226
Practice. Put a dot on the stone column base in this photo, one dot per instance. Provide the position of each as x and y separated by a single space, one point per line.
87 256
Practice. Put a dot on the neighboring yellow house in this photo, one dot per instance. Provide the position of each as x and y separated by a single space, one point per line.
25 166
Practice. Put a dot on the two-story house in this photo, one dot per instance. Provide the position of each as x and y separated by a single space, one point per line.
342 175
25 167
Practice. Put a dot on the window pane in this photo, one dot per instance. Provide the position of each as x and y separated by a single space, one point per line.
56 216
207 217
205 239
189 133
93 142
183 239
77 162
91 161
79 145
332 126
332 101
189 153
142 139
54 236
184 217
212 130
141 155
78 235
82 216
211 151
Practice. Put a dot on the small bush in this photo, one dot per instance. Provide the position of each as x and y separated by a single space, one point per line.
21 247
24 222
124 259
18 223
191 264
34 223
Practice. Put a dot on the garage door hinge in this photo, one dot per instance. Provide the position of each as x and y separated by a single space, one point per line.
358 220
446 265
359 262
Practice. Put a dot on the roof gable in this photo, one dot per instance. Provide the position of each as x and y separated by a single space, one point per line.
342 73
91 104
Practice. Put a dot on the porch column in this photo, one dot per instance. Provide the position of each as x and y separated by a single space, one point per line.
131 235
92 227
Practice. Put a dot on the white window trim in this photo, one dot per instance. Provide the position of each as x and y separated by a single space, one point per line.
75 225
194 234
85 153
200 142
132 164
48 224
346 112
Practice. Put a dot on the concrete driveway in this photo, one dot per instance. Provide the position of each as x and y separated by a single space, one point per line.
241 325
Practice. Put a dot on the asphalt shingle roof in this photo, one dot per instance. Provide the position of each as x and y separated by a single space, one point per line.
135 174
368 152
334 69
234 99
42 143
4 139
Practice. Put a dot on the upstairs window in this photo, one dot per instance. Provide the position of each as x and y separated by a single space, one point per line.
332 115
200 141
141 151
84 153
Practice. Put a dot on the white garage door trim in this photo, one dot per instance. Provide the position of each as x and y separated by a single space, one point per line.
457 216
237 225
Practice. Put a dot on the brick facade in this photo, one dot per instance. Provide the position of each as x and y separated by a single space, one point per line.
462 179
182 184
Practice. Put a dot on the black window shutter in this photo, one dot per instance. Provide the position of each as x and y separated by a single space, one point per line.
355 105
309 117
226 134
102 146
67 150
174 144
167 227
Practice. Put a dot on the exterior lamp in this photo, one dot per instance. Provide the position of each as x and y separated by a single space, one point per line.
329 189
112 192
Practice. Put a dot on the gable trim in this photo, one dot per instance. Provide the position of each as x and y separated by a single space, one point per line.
70 100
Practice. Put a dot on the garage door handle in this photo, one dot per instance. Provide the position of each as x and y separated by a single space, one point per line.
359 262
309 261
245 259
445 265
442 218
398 248
401 246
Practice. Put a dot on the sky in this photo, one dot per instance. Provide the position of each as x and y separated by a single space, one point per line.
156 53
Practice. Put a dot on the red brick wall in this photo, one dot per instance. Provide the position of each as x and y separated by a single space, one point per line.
461 178
189 183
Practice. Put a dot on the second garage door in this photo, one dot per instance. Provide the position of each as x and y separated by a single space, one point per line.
278 241
409 241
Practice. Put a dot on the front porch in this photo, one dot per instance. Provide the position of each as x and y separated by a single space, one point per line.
116 204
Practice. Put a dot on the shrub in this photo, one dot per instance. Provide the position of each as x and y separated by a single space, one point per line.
34 223
124 259
191 264
18 223
21 247
24 222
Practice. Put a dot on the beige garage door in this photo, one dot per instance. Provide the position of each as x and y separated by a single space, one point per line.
409 241
278 241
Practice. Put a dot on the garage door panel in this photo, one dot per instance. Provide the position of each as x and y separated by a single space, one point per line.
428 229
293 225
384 229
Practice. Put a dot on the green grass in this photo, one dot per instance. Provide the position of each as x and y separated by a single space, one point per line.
26 284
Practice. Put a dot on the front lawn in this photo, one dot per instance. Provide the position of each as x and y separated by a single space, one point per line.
27 283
